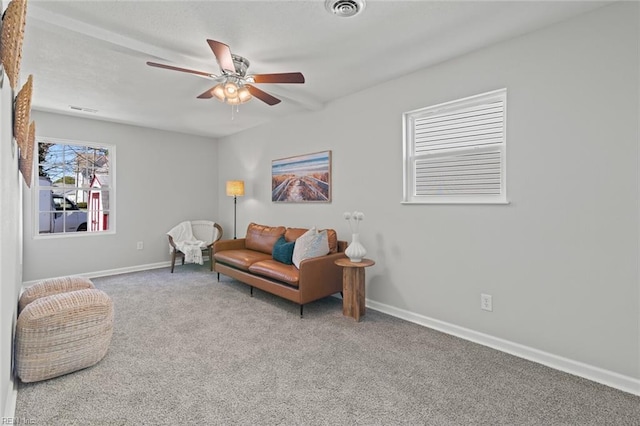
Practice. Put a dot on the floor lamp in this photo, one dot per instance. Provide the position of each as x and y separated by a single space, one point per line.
235 189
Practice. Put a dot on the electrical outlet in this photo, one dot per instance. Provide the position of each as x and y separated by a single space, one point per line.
140 245
486 302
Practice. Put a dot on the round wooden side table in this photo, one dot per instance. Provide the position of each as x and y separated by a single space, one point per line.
353 296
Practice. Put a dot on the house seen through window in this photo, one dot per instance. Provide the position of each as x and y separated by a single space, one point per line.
74 191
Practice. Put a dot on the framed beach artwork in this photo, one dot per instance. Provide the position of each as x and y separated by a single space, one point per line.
302 179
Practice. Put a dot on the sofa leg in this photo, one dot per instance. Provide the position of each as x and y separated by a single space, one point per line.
251 291
341 295
218 276
301 307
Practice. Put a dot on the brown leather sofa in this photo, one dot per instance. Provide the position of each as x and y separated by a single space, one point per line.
250 261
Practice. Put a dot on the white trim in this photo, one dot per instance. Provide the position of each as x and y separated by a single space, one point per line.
487 202
10 403
596 374
109 272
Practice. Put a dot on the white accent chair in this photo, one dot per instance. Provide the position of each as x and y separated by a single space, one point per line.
203 230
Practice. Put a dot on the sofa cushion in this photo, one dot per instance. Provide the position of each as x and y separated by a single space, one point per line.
262 238
292 234
333 240
240 258
279 271
310 244
283 251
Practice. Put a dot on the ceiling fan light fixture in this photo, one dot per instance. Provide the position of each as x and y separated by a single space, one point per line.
218 92
344 8
244 95
230 89
234 86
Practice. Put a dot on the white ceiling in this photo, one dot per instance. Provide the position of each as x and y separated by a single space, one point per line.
92 54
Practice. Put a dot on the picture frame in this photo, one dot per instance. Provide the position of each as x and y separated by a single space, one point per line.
302 178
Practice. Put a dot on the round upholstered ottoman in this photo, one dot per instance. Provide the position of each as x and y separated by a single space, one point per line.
62 333
52 286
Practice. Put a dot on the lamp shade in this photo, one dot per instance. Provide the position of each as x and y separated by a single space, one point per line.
235 188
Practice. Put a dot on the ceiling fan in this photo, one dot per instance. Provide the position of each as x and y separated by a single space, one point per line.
234 85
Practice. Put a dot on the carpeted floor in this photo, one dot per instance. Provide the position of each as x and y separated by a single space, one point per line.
189 350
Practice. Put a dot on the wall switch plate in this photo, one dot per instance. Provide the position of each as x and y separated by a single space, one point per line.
140 245
486 302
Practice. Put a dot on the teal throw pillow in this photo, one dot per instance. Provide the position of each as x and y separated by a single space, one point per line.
283 251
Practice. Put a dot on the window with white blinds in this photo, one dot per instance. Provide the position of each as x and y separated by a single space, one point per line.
455 152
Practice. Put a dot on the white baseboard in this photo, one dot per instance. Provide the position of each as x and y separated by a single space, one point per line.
108 272
596 374
10 403
127 269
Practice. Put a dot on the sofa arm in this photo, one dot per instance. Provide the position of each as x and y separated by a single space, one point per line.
320 276
221 245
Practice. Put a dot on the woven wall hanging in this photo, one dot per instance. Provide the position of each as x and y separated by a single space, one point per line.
22 111
26 161
13 22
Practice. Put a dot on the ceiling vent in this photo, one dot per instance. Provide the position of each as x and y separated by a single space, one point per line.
344 8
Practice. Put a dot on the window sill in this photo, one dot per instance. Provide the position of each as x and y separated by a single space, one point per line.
81 234
501 202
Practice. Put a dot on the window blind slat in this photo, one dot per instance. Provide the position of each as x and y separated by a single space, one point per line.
460 158
453 113
459 174
459 128
459 121
483 128
468 142
464 191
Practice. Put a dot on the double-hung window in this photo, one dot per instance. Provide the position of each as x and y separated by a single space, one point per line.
455 152
75 191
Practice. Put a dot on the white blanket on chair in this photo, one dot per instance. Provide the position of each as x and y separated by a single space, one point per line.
185 242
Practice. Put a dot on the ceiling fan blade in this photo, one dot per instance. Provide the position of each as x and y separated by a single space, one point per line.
287 77
208 94
262 95
223 55
169 67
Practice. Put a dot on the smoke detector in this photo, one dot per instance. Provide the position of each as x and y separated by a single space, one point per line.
344 8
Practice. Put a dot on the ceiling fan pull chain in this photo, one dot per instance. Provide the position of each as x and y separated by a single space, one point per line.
237 110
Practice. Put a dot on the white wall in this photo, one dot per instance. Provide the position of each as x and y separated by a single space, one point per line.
11 183
561 260
162 178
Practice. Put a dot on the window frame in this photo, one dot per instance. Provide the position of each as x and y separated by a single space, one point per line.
410 157
37 188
